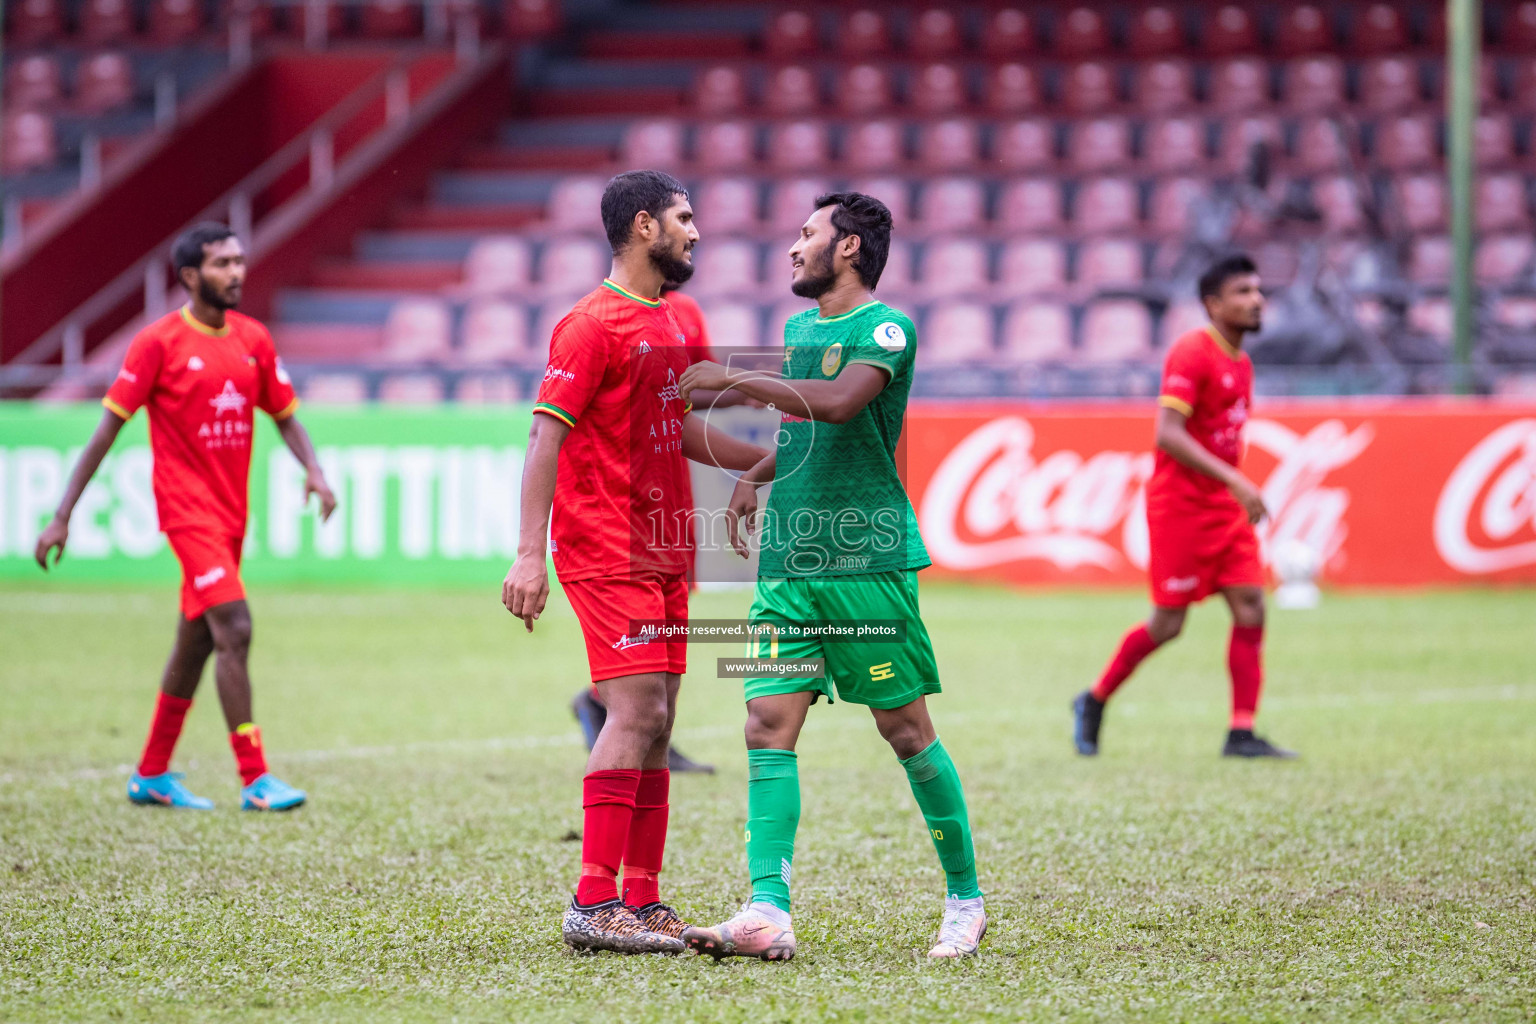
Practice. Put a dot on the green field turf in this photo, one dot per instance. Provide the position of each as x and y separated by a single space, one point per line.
1387 876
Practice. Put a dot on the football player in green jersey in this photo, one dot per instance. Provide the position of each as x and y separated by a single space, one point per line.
840 548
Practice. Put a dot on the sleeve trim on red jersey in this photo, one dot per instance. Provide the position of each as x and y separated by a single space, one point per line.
287 410
1177 404
557 412
116 409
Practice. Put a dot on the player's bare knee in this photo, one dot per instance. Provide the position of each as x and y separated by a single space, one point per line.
767 730
1166 625
231 629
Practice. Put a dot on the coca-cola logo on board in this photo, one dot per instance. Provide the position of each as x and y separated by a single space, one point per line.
1489 504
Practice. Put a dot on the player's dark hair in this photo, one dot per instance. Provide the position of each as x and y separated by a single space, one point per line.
187 250
629 193
1222 271
870 219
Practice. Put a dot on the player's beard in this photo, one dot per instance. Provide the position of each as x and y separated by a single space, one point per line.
674 269
817 276
217 300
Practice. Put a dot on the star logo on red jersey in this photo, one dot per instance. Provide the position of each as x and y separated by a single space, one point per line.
228 400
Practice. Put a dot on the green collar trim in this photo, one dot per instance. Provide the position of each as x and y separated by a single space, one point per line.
845 316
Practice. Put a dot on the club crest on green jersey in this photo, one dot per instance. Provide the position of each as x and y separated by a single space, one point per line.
833 356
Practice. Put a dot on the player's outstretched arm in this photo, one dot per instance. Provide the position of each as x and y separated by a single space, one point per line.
827 401
297 439
742 508
56 533
526 588
703 443
1174 438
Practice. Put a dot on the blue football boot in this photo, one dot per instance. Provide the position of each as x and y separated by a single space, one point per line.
165 790
270 793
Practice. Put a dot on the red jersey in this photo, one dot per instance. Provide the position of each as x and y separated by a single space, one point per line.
691 318
1211 383
203 387
621 493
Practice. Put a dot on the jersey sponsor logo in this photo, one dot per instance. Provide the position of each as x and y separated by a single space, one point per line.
891 337
555 373
282 374
128 375
626 641
669 393
208 578
228 400
831 358
645 347
880 673
1181 584
195 363
1488 501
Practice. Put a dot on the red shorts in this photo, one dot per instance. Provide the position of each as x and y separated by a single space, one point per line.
604 607
1194 556
210 569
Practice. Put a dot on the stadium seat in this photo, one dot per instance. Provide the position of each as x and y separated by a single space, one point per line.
1517 33
1082 32
1338 197
1431 317
863 90
103 81
1170 208
1239 85
793 91
727 267
1493 141
498 265
959 332
174 21
1032 266
1098 145
1156 31
1028 145
1090 88
572 265
1009 32
1522 86
34 22
653 143
335 19
790 203
895 193
1389 84
1321 146
798 146
1035 332
1012 89
1314 85
1106 206
737 325
1303 29
874 146
899 276
488 389
720 91
1230 31
105 21
1505 259
390 19
955 266
1429 261
259 17
417 330
334 389
1501 202
1117 331
1239 136
725 146
411 389
1164 86
1279 261
27 142
1179 319
1379 28
575 203
1420 200
530 19
1405 143
935 32
951 144
1031 206
1174 145
951 204
1110 263
863 32
791 34
494 332
33 82
938 89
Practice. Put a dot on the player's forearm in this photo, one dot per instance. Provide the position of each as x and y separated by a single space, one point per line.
1186 451
762 473
825 401
297 439
703 443
89 462
541 465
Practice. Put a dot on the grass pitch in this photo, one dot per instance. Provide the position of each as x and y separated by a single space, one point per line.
1387 876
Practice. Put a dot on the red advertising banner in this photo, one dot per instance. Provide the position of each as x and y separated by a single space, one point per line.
1376 492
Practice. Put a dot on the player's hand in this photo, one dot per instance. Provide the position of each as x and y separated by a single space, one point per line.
54 535
1248 496
704 376
526 589
741 510
314 483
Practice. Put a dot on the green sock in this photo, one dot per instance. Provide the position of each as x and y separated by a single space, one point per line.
773 814
936 785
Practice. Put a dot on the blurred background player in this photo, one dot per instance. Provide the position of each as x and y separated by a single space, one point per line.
203 371
607 455
843 391
1201 508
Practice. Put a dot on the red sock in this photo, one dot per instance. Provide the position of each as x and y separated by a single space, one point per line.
164 731
246 743
1138 643
1244 662
647 839
608 798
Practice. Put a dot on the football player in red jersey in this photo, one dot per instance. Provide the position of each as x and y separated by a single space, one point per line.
202 371
606 482
1201 509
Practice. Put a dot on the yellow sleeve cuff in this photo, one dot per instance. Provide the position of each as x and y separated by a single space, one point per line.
117 409
287 411
1170 402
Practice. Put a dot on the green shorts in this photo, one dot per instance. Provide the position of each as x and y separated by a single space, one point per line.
878 674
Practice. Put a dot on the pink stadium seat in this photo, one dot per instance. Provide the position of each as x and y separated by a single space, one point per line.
938 89
1082 32
1099 145
792 91
727 267
390 19
411 389
417 330
1389 84
488 389
895 193
798 146
1432 317
1117 331
1032 266
935 32
105 21
1522 87
1164 86
864 32
27 142
260 17
654 143
1028 145
1238 137
1314 85
174 21
790 203
1321 146
1106 206
1155 31
35 21
1174 145
738 324
1013 89
530 19
1239 85
862 90
791 34
1338 198
1035 332
336 389
1380 28
1110 263
494 332
1089 88
33 81
335 19
725 145
1303 28
955 266
1181 318
720 91
1493 141
1518 32
1230 30
1501 202
1406 143
1505 259
103 82
498 265
1171 204
1009 32
1278 261
573 265
948 145
574 204
959 332
1420 199
874 146
899 275
952 204
1031 206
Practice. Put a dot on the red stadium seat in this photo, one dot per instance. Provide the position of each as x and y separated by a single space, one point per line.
1009 32
864 33
899 275
530 19
1028 145
1082 32
1098 145
1090 88
35 21
1239 85
1505 259
417 330
1429 261
1164 86
174 21
390 19
1322 146
1314 85
1013 89
1493 141
1303 28
1238 138
1031 206
105 21
862 90
574 204
1180 319
791 202
791 34
1032 266
1518 31
952 204
1380 28
1389 84
1501 202
104 82
938 89
32 82
498 265
494 332
1420 200
948 145
1522 91
336 389
258 16
1155 31
725 145
1406 143
1338 198
654 143
27 142
720 91
935 32
1230 31
895 193
955 266
728 268
335 19
798 146
572 265
1117 331
1035 332
1174 145
1110 263
959 332
793 91
739 324
1172 202
726 205
1106 206
1432 317
874 146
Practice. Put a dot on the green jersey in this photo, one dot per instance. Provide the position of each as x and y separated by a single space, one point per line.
838 507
